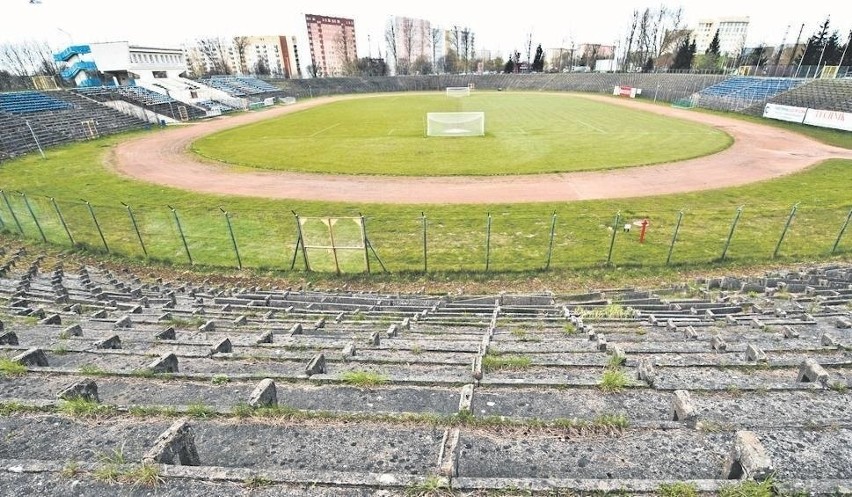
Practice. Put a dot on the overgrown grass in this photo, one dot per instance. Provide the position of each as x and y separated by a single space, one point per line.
93 370
748 488
9 367
80 407
613 380
519 232
363 378
431 486
613 310
679 489
257 481
200 410
493 362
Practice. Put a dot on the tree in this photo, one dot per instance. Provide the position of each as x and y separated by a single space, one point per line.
215 55
509 68
538 62
434 38
713 48
683 57
451 61
814 50
391 42
240 45
648 66
27 58
421 65
261 68
757 57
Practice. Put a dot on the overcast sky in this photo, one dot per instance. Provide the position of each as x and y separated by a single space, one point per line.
169 23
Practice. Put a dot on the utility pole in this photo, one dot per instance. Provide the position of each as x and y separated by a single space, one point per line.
781 48
796 46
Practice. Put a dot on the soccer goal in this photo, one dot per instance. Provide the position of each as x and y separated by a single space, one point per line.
458 91
455 124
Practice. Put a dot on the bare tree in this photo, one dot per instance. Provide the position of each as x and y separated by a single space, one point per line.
240 45
407 37
28 58
391 42
214 52
629 39
434 38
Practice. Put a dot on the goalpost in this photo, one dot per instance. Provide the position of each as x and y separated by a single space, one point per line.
458 91
455 124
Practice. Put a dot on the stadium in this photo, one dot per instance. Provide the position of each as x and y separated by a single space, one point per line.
505 284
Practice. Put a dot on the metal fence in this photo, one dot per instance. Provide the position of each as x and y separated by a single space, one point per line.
565 238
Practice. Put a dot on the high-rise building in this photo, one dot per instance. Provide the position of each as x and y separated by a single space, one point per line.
277 55
332 43
732 34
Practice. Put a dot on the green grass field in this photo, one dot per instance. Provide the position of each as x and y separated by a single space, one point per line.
525 133
266 232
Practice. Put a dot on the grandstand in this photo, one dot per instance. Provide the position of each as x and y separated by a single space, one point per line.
143 99
243 87
739 93
53 119
824 94
712 383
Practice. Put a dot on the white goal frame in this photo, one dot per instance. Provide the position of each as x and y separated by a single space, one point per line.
458 91
442 124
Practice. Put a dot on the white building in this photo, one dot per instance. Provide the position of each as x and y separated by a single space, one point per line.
408 39
119 63
732 34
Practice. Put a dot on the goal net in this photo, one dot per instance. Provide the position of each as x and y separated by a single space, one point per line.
458 91
455 124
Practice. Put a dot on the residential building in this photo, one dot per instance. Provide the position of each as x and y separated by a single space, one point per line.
408 40
732 34
332 44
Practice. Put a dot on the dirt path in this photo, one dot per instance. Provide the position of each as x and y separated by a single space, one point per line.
758 153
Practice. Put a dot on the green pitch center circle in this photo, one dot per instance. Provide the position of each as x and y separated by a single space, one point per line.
525 133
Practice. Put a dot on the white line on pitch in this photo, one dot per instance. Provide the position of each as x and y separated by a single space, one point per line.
589 125
391 131
325 129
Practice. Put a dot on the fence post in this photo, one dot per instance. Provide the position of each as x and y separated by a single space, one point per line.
842 230
233 238
674 236
136 228
97 225
612 240
423 223
488 242
731 233
35 139
784 232
62 220
182 237
550 243
32 214
12 212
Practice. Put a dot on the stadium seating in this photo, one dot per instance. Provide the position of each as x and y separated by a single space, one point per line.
824 94
143 98
368 393
738 93
24 102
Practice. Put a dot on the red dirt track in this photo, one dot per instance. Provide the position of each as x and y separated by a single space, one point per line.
759 152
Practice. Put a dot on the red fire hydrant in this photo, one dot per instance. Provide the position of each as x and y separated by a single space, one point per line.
645 224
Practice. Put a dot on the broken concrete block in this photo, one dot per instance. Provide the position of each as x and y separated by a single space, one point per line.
86 390
843 323
166 363
789 332
828 340
601 343
31 357
123 322
476 367
296 329
393 330
320 323
754 353
375 338
52 319
670 325
224 346
689 332
717 344
748 459
208 326
406 324
448 457
240 320
757 324
167 334
9 338
265 394
175 446
810 371
645 371
165 317
682 407
265 337
618 353
113 342
316 366
349 351
466 400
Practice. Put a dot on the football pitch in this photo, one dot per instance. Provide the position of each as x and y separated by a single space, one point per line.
525 133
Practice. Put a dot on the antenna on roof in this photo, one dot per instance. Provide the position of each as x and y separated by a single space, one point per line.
35 2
